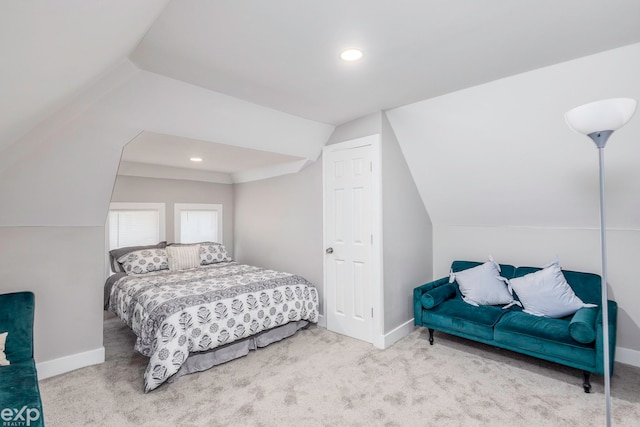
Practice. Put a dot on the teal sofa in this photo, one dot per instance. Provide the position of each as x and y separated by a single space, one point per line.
20 403
574 341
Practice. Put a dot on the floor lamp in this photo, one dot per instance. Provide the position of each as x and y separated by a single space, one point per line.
598 120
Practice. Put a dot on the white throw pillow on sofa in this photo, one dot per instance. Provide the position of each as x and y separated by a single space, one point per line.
547 293
483 285
3 357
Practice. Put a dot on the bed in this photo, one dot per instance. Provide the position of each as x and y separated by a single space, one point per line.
190 319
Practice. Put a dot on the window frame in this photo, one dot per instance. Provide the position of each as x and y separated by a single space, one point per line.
177 213
133 206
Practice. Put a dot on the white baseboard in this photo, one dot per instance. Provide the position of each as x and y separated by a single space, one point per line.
322 321
398 333
382 341
54 367
628 356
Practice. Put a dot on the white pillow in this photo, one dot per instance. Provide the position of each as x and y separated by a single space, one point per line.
483 285
183 257
547 293
3 357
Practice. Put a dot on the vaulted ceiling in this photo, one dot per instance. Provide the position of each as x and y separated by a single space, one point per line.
82 78
284 54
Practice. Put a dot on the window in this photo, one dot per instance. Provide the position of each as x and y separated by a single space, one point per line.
134 224
198 223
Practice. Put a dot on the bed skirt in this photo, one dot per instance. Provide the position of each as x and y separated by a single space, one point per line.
201 361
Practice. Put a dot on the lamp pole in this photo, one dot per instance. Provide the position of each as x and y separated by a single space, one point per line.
600 138
598 120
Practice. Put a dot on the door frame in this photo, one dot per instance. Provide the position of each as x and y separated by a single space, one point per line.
377 270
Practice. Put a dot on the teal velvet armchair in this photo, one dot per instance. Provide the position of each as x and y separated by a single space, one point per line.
20 402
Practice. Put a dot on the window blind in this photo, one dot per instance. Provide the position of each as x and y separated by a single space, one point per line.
133 228
198 226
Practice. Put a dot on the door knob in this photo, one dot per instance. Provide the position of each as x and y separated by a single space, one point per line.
329 250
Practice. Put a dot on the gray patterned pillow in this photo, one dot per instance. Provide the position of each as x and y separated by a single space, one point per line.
212 253
115 254
144 261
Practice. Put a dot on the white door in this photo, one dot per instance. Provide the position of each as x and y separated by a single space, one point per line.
348 214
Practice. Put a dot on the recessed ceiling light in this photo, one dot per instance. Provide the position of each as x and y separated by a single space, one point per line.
352 54
196 159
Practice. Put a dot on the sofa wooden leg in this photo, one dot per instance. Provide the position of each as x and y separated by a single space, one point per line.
430 336
587 381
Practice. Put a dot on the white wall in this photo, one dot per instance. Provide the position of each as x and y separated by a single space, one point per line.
407 234
278 224
172 191
65 180
63 267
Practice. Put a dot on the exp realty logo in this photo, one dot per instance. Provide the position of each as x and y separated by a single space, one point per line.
12 417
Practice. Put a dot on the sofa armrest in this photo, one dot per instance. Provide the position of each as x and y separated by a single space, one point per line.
437 295
16 317
582 326
417 297
613 322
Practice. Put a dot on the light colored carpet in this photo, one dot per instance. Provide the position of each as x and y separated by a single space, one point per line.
318 378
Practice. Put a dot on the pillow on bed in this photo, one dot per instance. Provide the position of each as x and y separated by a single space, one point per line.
115 254
183 257
3 357
144 261
212 253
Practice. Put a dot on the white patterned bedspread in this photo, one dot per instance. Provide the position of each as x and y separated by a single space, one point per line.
175 313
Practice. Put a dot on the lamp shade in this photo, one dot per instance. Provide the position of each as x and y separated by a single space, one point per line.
608 114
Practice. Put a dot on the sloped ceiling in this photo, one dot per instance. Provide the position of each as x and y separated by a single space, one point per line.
284 53
501 154
65 168
80 79
53 50
167 150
